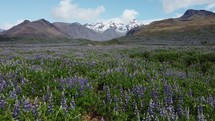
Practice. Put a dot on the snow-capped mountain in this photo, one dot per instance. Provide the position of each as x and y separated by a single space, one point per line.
118 26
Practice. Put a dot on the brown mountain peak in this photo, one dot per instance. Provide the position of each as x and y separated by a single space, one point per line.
201 13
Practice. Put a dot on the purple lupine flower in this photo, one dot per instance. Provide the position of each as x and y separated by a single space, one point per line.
171 111
64 103
147 117
201 116
179 109
105 88
156 105
27 105
115 99
181 75
50 104
155 100
150 108
135 90
141 90
210 100
179 106
76 95
72 104
214 104
127 98
2 103
155 95
169 100
50 107
108 95
3 85
46 97
16 109
161 112
18 89
135 108
82 83
61 85
166 89
181 99
12 95
35 108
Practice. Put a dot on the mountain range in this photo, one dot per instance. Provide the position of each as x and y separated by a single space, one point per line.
118 26
76 31
192 26
46 30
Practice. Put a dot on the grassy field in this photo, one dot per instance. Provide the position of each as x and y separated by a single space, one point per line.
62 82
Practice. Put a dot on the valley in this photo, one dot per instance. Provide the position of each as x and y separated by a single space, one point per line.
109 72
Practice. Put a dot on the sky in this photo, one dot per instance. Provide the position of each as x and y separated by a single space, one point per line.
13 12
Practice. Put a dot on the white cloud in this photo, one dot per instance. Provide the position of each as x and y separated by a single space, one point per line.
7 26
211 6
126 16
172 5
67 10
177 15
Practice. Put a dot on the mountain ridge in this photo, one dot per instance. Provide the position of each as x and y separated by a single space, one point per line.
118 26
200 13
187 22
35 29
44 29
77 31
193 24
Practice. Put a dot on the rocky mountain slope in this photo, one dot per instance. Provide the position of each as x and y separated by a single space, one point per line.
195 26
36 29
46 30
76 31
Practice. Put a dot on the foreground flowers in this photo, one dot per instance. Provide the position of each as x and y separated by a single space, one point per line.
110 85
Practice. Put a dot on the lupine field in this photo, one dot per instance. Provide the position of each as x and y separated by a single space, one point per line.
107 83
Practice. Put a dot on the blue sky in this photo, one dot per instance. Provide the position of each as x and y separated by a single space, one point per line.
13 12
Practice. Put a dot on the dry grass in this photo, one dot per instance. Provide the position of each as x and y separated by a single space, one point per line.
91 117
177 25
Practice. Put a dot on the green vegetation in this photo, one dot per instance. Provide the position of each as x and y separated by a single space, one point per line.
86 83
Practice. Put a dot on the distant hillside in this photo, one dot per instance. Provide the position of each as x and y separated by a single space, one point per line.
42 29
194 25
76 31
36 29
